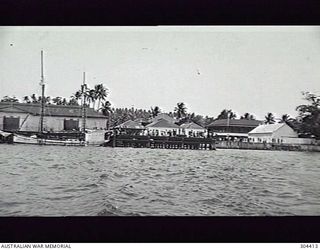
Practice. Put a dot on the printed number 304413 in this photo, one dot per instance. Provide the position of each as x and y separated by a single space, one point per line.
309 245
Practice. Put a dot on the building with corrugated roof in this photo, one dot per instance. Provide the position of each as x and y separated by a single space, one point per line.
131 128
163 127
232 128
26 117
191 129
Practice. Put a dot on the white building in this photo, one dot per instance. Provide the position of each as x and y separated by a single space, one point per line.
276 133
163 127
192 129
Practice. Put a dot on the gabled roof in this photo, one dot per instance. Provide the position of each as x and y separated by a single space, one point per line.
4 134
191 125
130 125
235 123
50 109
162 123
266 128
165 117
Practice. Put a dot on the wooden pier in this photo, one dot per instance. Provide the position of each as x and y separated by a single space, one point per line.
166 142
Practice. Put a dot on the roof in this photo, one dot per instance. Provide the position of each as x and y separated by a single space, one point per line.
191 125
4 134
130 125
165 117
266 128
162 123
51 109
142 120
235 123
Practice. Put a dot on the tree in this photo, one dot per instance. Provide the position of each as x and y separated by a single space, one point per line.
64 101
269 119
106 110
34 98
155 111
309 114
224 114
26 99
9 99
247 116
284 118
57 100
77 96
73 101
181 110
91 96
100 93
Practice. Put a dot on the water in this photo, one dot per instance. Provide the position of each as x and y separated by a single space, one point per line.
90 181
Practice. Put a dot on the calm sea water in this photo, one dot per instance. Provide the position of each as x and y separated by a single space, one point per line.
90 181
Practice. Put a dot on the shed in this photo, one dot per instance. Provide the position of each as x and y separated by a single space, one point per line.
273 133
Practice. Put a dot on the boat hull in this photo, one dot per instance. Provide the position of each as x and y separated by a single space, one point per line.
21 139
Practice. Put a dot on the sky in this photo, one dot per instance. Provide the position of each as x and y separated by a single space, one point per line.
255 69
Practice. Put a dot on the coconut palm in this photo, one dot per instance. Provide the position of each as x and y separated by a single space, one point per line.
73 101
77 96
269 119
181 110
285 118
101 93
247 116
90 96
26 99
106 110
225 114
155 111
9 99
64 101
34 98
57 100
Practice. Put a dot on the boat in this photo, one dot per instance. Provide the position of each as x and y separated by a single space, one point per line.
43 137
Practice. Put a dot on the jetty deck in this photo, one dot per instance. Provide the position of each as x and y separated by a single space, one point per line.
168 142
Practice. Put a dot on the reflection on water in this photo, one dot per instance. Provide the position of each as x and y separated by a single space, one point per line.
69 181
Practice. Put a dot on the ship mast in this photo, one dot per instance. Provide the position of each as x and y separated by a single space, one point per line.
83 93
42 95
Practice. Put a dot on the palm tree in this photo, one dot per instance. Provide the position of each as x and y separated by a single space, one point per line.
225 114
232 115
73 101
34 98
181 110
269 119
9 99
91 96
247 116
155 111
64 101
26 99
101 93
106 110
77 96
285 118
57 100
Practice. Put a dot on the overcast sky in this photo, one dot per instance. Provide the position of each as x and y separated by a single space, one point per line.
246 69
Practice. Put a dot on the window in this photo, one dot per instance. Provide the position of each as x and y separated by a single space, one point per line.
11 123
71 124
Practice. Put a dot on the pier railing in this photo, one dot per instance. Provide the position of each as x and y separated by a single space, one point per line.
169 142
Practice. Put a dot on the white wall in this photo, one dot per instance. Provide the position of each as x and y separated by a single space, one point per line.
284 131
195 131
51 122
162 130
279 136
